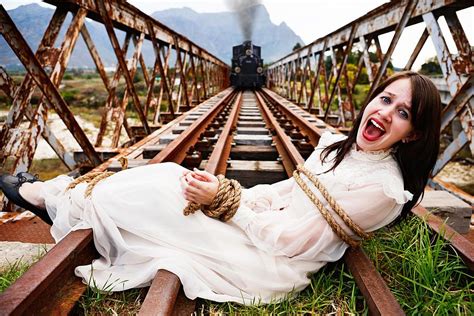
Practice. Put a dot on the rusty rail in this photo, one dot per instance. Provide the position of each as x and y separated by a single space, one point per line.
42 285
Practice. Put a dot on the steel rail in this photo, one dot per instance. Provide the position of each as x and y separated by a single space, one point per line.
217 163
463 246
164 290
175 150
38 287
378 296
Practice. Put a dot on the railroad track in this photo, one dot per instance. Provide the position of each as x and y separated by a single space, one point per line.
252 137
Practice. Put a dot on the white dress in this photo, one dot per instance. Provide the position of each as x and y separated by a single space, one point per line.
269 248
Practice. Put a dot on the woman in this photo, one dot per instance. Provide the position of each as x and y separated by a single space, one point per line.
277 237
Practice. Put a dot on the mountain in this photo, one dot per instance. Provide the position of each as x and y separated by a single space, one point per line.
216 32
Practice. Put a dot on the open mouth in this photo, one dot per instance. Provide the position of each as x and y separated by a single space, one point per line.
373 130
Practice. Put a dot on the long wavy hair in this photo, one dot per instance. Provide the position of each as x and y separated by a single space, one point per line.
417 158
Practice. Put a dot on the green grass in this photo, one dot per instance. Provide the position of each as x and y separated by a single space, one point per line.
16 269
421 270
102 301
12 272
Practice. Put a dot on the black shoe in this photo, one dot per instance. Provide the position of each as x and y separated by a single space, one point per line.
10 185
27 177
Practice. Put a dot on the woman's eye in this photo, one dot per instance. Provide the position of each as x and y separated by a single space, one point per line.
386 100
404 114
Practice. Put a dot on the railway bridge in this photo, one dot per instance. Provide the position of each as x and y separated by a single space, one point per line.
191 116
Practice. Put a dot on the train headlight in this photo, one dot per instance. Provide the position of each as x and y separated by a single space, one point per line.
259 70
248 52
237 69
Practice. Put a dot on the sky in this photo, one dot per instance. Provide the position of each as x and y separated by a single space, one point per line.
312 19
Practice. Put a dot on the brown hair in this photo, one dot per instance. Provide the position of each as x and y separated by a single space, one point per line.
418 157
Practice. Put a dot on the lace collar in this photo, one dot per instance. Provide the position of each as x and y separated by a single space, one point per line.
370 155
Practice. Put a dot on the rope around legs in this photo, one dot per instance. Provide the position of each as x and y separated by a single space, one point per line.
92 178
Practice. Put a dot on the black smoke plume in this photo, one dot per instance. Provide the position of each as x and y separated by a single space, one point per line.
246 11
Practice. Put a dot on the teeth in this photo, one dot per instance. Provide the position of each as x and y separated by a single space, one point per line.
377 125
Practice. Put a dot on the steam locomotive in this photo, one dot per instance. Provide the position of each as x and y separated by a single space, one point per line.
247 67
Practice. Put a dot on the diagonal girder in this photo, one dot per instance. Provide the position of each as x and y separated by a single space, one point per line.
390 17
49 90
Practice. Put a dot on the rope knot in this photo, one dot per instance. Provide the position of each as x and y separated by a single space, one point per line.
225 203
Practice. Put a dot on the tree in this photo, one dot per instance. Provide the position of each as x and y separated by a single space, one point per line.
297 46
431 67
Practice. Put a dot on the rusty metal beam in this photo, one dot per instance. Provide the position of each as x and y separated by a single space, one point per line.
105 14
463 246
458 102
39 285
128 18
21 100
48 135
120 118
416 51
407 13
380 20
34 68
464 62
442 52
40 116
112 100
341 69
95 57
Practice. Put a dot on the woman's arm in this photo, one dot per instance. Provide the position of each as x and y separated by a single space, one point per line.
280 233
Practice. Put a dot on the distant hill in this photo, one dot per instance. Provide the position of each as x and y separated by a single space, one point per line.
216 32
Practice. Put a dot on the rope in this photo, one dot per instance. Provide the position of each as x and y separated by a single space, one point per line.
324 212
92 178
225 203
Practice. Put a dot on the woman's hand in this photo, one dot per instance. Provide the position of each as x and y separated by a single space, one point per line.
199 186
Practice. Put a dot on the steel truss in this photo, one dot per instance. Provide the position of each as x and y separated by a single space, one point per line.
301 76
195 76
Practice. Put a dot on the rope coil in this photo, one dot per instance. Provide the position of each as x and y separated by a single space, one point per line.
324 211
225 203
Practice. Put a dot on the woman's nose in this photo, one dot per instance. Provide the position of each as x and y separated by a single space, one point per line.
386 113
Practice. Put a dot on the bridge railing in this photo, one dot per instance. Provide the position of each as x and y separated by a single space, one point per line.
187 74
302 75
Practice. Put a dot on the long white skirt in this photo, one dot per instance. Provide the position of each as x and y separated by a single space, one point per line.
139 227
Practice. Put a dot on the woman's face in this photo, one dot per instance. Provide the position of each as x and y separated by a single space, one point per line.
387 118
